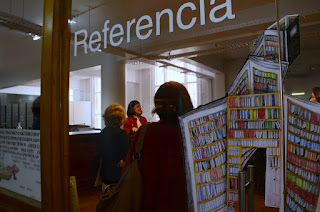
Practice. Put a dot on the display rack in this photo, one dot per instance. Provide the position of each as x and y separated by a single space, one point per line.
253 121
242 86
303 158
208 142
216 152
264 82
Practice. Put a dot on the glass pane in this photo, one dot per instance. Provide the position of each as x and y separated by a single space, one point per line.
71 95
156 88
20 89
159 76
97 122
174 76
214 38
300 37
304 70
192 77
97 103
97 84
192 89
84 97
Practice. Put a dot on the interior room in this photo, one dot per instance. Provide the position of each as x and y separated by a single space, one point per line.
112 60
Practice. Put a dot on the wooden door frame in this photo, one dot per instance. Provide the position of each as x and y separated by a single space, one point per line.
54 125
54 115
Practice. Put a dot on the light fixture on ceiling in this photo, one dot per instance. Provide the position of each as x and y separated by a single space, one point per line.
298 93
72 21
35 37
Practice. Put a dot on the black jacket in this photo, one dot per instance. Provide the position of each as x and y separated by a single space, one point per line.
113 146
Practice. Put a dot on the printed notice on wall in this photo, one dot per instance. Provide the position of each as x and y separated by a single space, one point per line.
20 162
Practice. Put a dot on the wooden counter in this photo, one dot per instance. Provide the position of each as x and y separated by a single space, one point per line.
83 145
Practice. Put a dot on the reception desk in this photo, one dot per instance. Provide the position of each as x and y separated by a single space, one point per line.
83 145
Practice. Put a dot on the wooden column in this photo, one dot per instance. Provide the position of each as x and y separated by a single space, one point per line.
54 137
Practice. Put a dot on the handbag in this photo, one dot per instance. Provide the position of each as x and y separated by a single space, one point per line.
98 181
127 194
96 166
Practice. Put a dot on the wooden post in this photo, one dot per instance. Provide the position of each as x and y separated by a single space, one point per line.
54 136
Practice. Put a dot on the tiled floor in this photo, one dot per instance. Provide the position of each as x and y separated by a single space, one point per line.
88 202
259 204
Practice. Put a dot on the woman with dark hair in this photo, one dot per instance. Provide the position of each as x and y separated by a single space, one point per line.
135 118
113 145
315 94
161 162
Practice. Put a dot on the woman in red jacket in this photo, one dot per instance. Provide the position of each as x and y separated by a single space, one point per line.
135 118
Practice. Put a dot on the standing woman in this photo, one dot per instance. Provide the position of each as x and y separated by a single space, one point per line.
135 118
162 161
113 145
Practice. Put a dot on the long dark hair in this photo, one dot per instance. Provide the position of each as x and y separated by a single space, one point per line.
130 111
171 101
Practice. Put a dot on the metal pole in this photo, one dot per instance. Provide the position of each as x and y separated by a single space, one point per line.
242 191
283 147
251 188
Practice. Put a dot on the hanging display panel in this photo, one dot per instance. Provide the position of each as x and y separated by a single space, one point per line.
204 133
302 136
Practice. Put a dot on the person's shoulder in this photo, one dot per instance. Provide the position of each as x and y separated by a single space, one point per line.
163 126
120 131
112 132
130 118
109 130
123 134
143 118
104 131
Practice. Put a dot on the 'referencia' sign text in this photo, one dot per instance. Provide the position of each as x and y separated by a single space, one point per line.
116 34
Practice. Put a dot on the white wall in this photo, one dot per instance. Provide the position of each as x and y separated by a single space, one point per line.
112 76
231 69
218 86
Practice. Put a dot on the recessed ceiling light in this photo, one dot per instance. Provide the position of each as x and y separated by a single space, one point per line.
35 37
72 21
298 93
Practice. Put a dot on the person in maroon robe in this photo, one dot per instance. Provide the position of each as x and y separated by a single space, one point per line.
162 160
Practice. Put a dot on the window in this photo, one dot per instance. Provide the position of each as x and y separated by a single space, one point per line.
191 86
142 84
97 102
85 97
189 80
71 95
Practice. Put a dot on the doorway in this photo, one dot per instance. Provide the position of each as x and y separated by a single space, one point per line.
258 160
